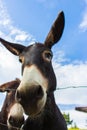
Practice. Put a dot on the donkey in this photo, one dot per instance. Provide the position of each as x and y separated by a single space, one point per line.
12 112
36 90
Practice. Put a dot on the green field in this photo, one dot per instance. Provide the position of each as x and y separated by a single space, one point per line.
76 129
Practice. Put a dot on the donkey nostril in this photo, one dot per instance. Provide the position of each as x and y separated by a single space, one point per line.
18 96
11 120
39 92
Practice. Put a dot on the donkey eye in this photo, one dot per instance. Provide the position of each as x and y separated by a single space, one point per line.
47 55
21 59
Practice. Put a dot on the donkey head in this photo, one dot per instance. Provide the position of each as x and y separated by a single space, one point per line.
11 112
38 76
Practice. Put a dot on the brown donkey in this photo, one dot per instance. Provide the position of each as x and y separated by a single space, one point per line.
36 90
11 113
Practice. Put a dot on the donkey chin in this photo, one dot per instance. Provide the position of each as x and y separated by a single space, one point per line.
34 107
33 100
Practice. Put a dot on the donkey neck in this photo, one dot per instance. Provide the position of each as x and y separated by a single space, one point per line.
50 119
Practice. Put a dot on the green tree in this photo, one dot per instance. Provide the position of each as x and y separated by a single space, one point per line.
67 119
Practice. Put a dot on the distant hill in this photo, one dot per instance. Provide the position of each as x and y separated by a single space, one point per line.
64 107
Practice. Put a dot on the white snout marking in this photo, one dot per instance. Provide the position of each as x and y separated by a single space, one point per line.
16 112
32 77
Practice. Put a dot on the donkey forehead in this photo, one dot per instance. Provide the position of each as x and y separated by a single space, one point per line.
35 49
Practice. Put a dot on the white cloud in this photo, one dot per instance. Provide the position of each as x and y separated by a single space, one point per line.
2 98
71 75
60 57
9 66
8 30
83 24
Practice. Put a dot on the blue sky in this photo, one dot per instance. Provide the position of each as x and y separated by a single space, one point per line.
30 21
37 16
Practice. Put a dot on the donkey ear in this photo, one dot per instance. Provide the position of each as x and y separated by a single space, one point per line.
16 49
56 31
9 86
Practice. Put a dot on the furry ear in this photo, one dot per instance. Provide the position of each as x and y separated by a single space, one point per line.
9 86
56 31
16 49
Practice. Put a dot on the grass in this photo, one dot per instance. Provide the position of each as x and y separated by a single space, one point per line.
73 129
76 129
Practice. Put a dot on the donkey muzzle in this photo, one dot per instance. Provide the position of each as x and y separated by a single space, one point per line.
32 101
34 93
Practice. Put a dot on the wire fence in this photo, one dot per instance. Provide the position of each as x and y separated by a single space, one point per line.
70 87
58 88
